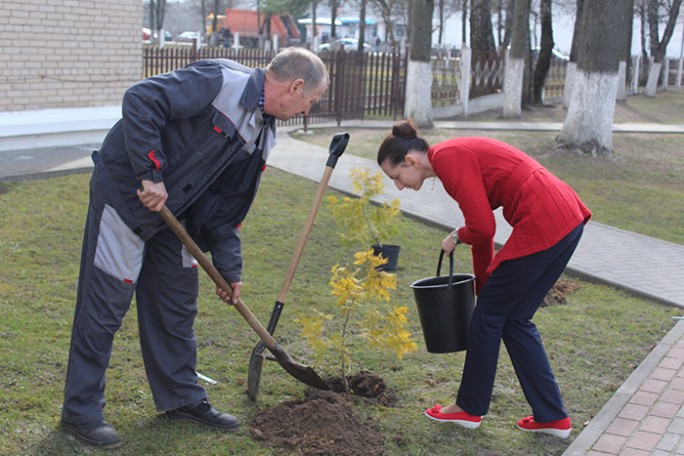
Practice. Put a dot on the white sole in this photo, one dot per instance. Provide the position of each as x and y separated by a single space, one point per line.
462 423
561 434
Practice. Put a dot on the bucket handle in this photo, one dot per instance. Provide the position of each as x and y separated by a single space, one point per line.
451 267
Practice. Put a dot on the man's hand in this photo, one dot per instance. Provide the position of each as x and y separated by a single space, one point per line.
153 195
226 296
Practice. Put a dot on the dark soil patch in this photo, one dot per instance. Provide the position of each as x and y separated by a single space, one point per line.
557 294
326 422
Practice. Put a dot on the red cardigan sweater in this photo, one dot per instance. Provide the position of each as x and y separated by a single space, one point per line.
482 174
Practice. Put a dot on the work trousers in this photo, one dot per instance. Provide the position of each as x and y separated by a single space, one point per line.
505 307
115 265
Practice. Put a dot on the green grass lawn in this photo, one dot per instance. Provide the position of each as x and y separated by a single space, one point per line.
594 341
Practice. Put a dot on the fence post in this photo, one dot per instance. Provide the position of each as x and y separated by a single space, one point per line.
636 63
666 73
622 81
464 86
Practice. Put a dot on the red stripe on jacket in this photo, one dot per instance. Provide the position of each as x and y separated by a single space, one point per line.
154 159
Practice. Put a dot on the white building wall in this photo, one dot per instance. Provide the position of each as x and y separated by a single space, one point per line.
68 53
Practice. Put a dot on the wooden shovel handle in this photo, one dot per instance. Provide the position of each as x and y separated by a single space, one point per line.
216 276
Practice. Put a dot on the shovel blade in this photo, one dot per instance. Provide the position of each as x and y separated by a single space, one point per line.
304 374
256 361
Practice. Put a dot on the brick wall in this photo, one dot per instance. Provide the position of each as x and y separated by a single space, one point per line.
68 53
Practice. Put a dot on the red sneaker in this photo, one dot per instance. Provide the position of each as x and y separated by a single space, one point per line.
558 428
463 419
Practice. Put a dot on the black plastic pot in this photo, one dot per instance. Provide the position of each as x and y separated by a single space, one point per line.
445 306
391 252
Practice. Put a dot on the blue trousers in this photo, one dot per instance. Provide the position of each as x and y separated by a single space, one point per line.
505 307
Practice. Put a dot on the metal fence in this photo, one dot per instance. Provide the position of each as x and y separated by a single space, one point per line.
373 84
361 84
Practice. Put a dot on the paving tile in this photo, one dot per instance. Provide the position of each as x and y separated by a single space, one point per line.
633 412
677 426
644 398
623 427
664 409
672 396
634 452
660 373
646 441
670 362
677 383
610 443
653 386
654 424
668 441
661 453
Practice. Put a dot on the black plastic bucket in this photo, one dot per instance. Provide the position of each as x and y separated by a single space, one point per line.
389 251
445 306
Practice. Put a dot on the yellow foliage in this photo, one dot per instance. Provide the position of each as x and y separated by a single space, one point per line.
360 221
384 328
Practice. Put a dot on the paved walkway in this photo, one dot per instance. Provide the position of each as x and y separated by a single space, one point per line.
644 417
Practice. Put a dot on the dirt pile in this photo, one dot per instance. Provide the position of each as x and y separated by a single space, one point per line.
326 422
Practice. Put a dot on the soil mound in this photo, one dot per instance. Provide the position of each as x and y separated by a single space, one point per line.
325 422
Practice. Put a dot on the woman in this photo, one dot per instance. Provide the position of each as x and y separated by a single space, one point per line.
547 217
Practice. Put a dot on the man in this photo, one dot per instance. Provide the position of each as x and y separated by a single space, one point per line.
195 140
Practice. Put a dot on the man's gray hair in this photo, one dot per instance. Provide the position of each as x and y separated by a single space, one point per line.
296 62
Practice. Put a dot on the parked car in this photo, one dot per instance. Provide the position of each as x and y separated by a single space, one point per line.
147 34
348 44
187 37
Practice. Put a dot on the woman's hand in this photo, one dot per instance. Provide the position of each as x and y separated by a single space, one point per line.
450 242
230 297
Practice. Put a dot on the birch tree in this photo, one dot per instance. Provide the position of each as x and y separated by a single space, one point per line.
515 60
571 69
545 53
659 46
418 104
481 32
588 124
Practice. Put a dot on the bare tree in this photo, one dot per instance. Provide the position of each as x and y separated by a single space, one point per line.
546 44
388 9
362 26
571 69
157 10
659 46
506 23
418 105
588 124
333 19
515 60
481 33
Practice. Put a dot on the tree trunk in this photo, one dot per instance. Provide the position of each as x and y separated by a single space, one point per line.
333 19
545 53
588 124
508 27
418 105
515 61
571 70
659 46
362 26
481 33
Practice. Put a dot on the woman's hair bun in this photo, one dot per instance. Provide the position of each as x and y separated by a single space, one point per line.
405 130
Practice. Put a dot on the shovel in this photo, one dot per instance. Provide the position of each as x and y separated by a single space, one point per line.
302 373
337 147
